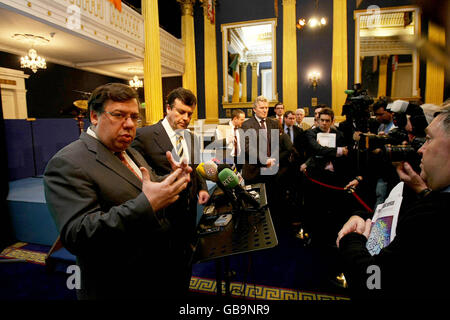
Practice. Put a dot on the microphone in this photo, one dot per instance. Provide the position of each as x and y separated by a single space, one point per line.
201 170
210 171
232 167
229 180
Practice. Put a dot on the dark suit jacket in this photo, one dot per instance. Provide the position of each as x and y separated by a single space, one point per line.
299 142
153 143
322 155
251 171
274 117
419 248
106 221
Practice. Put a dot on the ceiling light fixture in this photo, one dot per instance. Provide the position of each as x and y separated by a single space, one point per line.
33 61
313 22
136 83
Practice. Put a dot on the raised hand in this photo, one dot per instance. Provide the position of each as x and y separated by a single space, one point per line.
161 194
182 165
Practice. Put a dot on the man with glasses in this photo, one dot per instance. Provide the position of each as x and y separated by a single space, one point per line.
107 202
279 111
413 265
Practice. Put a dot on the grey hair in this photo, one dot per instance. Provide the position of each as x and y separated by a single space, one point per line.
443 117
260 99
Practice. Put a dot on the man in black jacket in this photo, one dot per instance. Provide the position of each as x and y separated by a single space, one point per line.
172 134
327 163
414 264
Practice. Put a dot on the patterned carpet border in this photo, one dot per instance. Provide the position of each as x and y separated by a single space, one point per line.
198 284
259 292
17 251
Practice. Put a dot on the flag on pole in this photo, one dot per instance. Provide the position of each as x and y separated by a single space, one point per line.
117 4
211 13
394 63
233 66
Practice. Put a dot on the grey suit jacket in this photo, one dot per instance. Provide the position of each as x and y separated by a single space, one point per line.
105 219
251 171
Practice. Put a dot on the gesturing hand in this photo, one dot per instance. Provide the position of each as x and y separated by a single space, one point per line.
182 165
161 194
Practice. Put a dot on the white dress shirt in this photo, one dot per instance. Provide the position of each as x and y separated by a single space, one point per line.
136 169
173 137
228 135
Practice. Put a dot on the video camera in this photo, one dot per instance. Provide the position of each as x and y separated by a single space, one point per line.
410 121
370 141
406 153
356 107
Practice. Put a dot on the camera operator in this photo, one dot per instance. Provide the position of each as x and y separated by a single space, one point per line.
357 115
413 265
381 174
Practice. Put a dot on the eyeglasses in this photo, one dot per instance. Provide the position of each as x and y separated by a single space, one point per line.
119 116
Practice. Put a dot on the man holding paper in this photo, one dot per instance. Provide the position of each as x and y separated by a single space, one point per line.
328 163
413 265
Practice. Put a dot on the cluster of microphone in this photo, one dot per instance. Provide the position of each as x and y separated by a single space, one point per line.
229 180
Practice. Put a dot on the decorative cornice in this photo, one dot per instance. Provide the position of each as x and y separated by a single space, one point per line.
187 7
289 2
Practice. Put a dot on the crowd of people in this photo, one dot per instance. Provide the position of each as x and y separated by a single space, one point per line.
120 188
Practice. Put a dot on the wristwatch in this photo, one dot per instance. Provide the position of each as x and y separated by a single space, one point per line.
424 193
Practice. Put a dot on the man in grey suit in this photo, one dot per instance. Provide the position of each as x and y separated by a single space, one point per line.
254 172
107 203
261 136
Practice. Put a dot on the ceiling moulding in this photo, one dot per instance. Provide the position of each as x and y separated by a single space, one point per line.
95 20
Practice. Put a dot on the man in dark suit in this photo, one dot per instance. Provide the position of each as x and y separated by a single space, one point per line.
296 134
256 160
407 256
107 205
289 176
172 134
279 111
261 142
328 163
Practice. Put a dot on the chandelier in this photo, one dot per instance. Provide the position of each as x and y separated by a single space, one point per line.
136 83
33 61
314 21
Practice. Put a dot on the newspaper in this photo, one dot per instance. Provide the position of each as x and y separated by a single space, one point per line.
327 139
384 221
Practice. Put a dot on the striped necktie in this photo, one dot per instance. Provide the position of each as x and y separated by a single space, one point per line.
121 156
179 146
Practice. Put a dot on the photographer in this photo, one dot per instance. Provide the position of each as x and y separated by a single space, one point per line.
381 174
413 264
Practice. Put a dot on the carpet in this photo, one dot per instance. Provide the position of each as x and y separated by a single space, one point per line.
258 292
32 253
